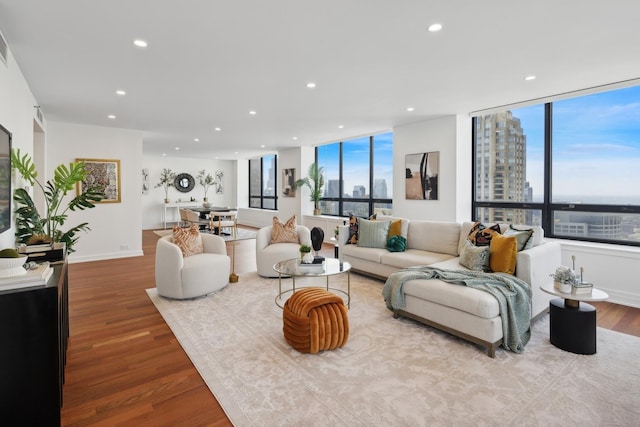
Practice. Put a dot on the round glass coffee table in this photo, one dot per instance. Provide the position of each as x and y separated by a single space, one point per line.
291 268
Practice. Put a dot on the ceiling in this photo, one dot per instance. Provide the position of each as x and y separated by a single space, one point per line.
208 63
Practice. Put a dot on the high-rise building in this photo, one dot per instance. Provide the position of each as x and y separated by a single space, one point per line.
380 188
333 188
359 192
501 166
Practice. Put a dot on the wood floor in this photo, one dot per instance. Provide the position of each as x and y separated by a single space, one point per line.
125 367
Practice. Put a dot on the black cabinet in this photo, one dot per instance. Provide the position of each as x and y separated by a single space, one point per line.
34 328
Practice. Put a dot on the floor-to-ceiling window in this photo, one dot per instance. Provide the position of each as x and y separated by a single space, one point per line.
263 182
570 166
358 175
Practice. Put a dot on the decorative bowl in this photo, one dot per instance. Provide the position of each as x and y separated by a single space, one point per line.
10 267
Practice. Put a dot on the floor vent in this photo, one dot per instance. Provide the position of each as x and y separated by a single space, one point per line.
3 49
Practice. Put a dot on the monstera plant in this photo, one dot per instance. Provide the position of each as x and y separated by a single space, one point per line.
33 227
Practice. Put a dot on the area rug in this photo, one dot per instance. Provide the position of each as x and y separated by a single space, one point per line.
241 234
393 372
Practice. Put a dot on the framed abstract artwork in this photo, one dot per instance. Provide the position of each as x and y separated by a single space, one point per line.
104 174
421 173
288 180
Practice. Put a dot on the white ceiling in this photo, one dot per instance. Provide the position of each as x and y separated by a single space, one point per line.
209 63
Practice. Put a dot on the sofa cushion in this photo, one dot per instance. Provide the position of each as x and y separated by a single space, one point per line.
188 240
412 257
367 254
473 301
284 233
481 235
522 236
396 244
372 234
434 236
404 223
503 254
475 257
395 228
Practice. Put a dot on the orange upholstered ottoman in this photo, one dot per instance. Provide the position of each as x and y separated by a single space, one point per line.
314 320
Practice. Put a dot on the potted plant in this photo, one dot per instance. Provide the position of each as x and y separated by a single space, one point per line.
167 178
206 180
305 253
314 182
31 227
564 278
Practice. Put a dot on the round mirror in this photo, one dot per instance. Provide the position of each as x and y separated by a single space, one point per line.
184 182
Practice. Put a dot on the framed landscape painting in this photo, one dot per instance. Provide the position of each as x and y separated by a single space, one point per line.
421 173
104 174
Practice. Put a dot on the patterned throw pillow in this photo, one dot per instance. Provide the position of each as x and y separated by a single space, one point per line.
284 233
353 230
474 257
480 235
522 236
188 240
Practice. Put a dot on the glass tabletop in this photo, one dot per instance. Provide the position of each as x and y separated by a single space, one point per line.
291 267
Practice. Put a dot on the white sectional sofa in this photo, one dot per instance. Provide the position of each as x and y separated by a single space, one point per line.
463 311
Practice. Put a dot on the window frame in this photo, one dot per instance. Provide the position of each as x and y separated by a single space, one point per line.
262 197
547 207
341 200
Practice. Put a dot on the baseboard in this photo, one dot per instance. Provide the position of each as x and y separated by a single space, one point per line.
73 258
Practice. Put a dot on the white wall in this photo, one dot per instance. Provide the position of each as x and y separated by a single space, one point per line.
153 203
17 114
447 136
115 227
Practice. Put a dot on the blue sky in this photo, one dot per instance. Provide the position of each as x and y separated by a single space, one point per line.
596 147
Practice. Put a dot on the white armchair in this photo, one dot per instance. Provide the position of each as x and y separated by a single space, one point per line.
196 275
269 254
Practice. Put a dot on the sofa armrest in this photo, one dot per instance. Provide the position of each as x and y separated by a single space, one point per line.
343 235
536 266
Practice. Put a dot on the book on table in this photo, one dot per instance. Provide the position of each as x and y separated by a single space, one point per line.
311 267
38 276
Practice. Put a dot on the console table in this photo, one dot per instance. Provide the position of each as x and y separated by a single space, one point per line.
176 206
34 328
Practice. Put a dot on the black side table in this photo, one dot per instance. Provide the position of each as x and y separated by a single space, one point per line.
572 322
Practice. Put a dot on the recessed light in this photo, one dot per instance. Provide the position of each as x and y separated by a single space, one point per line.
529 78
340 126
294 138
196 139
236 152
177 148
253 113
121 92
262 146
140 43
217 129
434 28
311 85
164 154
111 116
410 109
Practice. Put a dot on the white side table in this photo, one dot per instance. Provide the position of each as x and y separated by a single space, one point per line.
572 322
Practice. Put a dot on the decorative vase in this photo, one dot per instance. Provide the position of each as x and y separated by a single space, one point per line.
565 288
307 258
166 200
317 212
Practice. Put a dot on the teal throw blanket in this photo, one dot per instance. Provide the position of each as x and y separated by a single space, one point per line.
513 295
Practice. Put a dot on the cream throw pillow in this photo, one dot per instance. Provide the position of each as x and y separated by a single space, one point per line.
284 233
188 240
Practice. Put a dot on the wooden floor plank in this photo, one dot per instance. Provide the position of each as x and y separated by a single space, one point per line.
125 367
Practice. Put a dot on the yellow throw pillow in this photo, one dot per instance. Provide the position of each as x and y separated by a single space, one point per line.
188 240
395 228
503 252
284 233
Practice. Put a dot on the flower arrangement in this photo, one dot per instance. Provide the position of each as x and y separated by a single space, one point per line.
565 275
